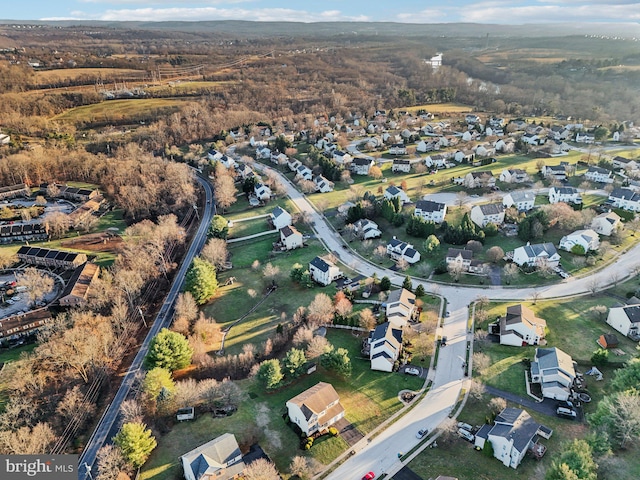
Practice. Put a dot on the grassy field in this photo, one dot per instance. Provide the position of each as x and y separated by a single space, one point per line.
440 108
120 110
251 227
60 75
184 88
368 397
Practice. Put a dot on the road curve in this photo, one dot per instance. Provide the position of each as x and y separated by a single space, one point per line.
102 431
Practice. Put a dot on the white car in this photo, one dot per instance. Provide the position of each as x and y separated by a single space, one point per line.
412 371
465 426
466 434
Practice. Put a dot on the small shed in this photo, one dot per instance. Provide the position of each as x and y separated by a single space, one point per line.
608 340
187 413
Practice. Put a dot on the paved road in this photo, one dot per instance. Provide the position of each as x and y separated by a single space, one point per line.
104 430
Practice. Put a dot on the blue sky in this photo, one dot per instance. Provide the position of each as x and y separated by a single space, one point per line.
409 11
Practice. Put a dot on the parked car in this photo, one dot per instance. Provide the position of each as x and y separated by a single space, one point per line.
448 314
566 404
412 371
369 476
465 426
466 434
566 412
422 433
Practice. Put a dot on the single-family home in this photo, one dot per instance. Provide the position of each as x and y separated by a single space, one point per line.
76 290
280 218
486 150
395 192
459 257
366 229
598 174
585 137
480 179
522 200
519 327
219 459
361 166
471 119
513 434
401 165
555 371
437 161
315 409
322 184
624 163
533 255
606 223
487 213
554 172
564 194
587 239
385 345
430 210
262 192
290 237
397 149
213 155
278 158
533 139
400 307
293 164
323 271
464 156
625 198
340 157
304 172
244 171
514 175
397 249
505 145
626 320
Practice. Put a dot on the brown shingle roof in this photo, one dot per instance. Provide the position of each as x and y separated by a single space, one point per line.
317 398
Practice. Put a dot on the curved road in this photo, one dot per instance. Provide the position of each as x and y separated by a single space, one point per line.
101 434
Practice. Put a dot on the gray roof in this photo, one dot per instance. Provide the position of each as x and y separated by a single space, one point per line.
554 358
320 264
278 211
454 252
522 196
537 249
394 242
482 173
625 194
566 190
429 206
517 425
632 312
491 208
362 161
215 455
393 190
594 169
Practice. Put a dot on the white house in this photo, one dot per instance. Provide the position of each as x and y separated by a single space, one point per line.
480 179
5 139
278 158
398 249
514 175
395 192
555 172
513 434
438 161
220 458
471 118
397 149
400 307
293 164
521 200
587 239
485 150
290 237
244 171
340 157
361 166
625 199
214 155
262 192
315 409
323 271
487 213
280 218
505 146
429 210
385 345
366 229
555 371
624 163
459 257
532 139
606 223
400 165
598 174
322 184
532 255
520 327
464 156
304 172
626 320
585 137
564 194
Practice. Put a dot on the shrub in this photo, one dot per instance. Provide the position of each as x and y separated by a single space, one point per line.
333 431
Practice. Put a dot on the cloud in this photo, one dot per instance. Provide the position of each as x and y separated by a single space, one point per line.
429 15
213 13
596 12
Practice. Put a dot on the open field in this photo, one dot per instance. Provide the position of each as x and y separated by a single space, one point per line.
184 88
62 74
121 110
440 108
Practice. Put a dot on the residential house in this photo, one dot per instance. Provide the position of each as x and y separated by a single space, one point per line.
606 223
459 257
430 210
398 249
340 157
564 194
19 325
400 307
315 409
554 172
385 345
293 164
361 166
599 175
214 155
366 229
262 192
486 150
12 191
471 119
76 290
585 137
505 145
557 147
280 218
397 149
219 459
480 179
227 162
534 255
521 200
513 434
555 371
532 139
304 172
587 239
322 184
290 237
624 163
5 139
625 199
49 258
395 192
468 136
519 327
323 271
487 213
464 156
437 161
244 171
514 175
400 165
626 320
278 158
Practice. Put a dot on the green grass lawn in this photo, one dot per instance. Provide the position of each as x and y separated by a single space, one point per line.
112 219
119 110
251 227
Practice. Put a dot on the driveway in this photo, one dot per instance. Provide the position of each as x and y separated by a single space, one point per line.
547 407
406 474
348 431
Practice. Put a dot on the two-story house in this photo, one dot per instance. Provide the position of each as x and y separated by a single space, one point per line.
514 175
519 327
361 166
315 409
430 210
280 218
400 165
459 257
554 172
599 175
606 223
395 192
290 237
534 255
555 371
304 172
487 213
521 200
323 271
480 179
262 192
397 249
219 459
366 229
587 239
400 307
322 184
625 199
385 345
564 194
626 320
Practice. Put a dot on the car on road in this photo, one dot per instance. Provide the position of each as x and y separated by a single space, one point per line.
443 342
369 476
465 426
412 371
448 314
467 435
422 433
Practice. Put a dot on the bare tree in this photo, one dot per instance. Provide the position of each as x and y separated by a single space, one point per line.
510 272
271 273
449 431
497 404
225 191
402 264
317 346
456 270
27 440
300 467
495 254
207 329
56 224
38 283
261 469
366 319
7 259
481 362
476 390
131 411
535 296
593 285
186 307
111 463
73 406
320 310
461 198
303 336
215 252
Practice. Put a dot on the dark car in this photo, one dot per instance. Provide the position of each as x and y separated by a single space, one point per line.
443 342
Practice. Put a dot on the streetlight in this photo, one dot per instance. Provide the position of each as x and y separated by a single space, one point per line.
88 469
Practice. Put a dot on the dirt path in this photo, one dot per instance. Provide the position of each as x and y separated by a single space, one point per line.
263 420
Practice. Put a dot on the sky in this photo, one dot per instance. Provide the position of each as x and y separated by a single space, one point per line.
404 11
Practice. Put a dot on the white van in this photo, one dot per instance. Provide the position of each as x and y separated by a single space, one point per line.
566 412
467 435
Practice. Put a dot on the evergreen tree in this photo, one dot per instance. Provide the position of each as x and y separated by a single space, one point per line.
156 380
135 442
385 283
407 283
201 280
419 291
169 350
270 373
219 227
